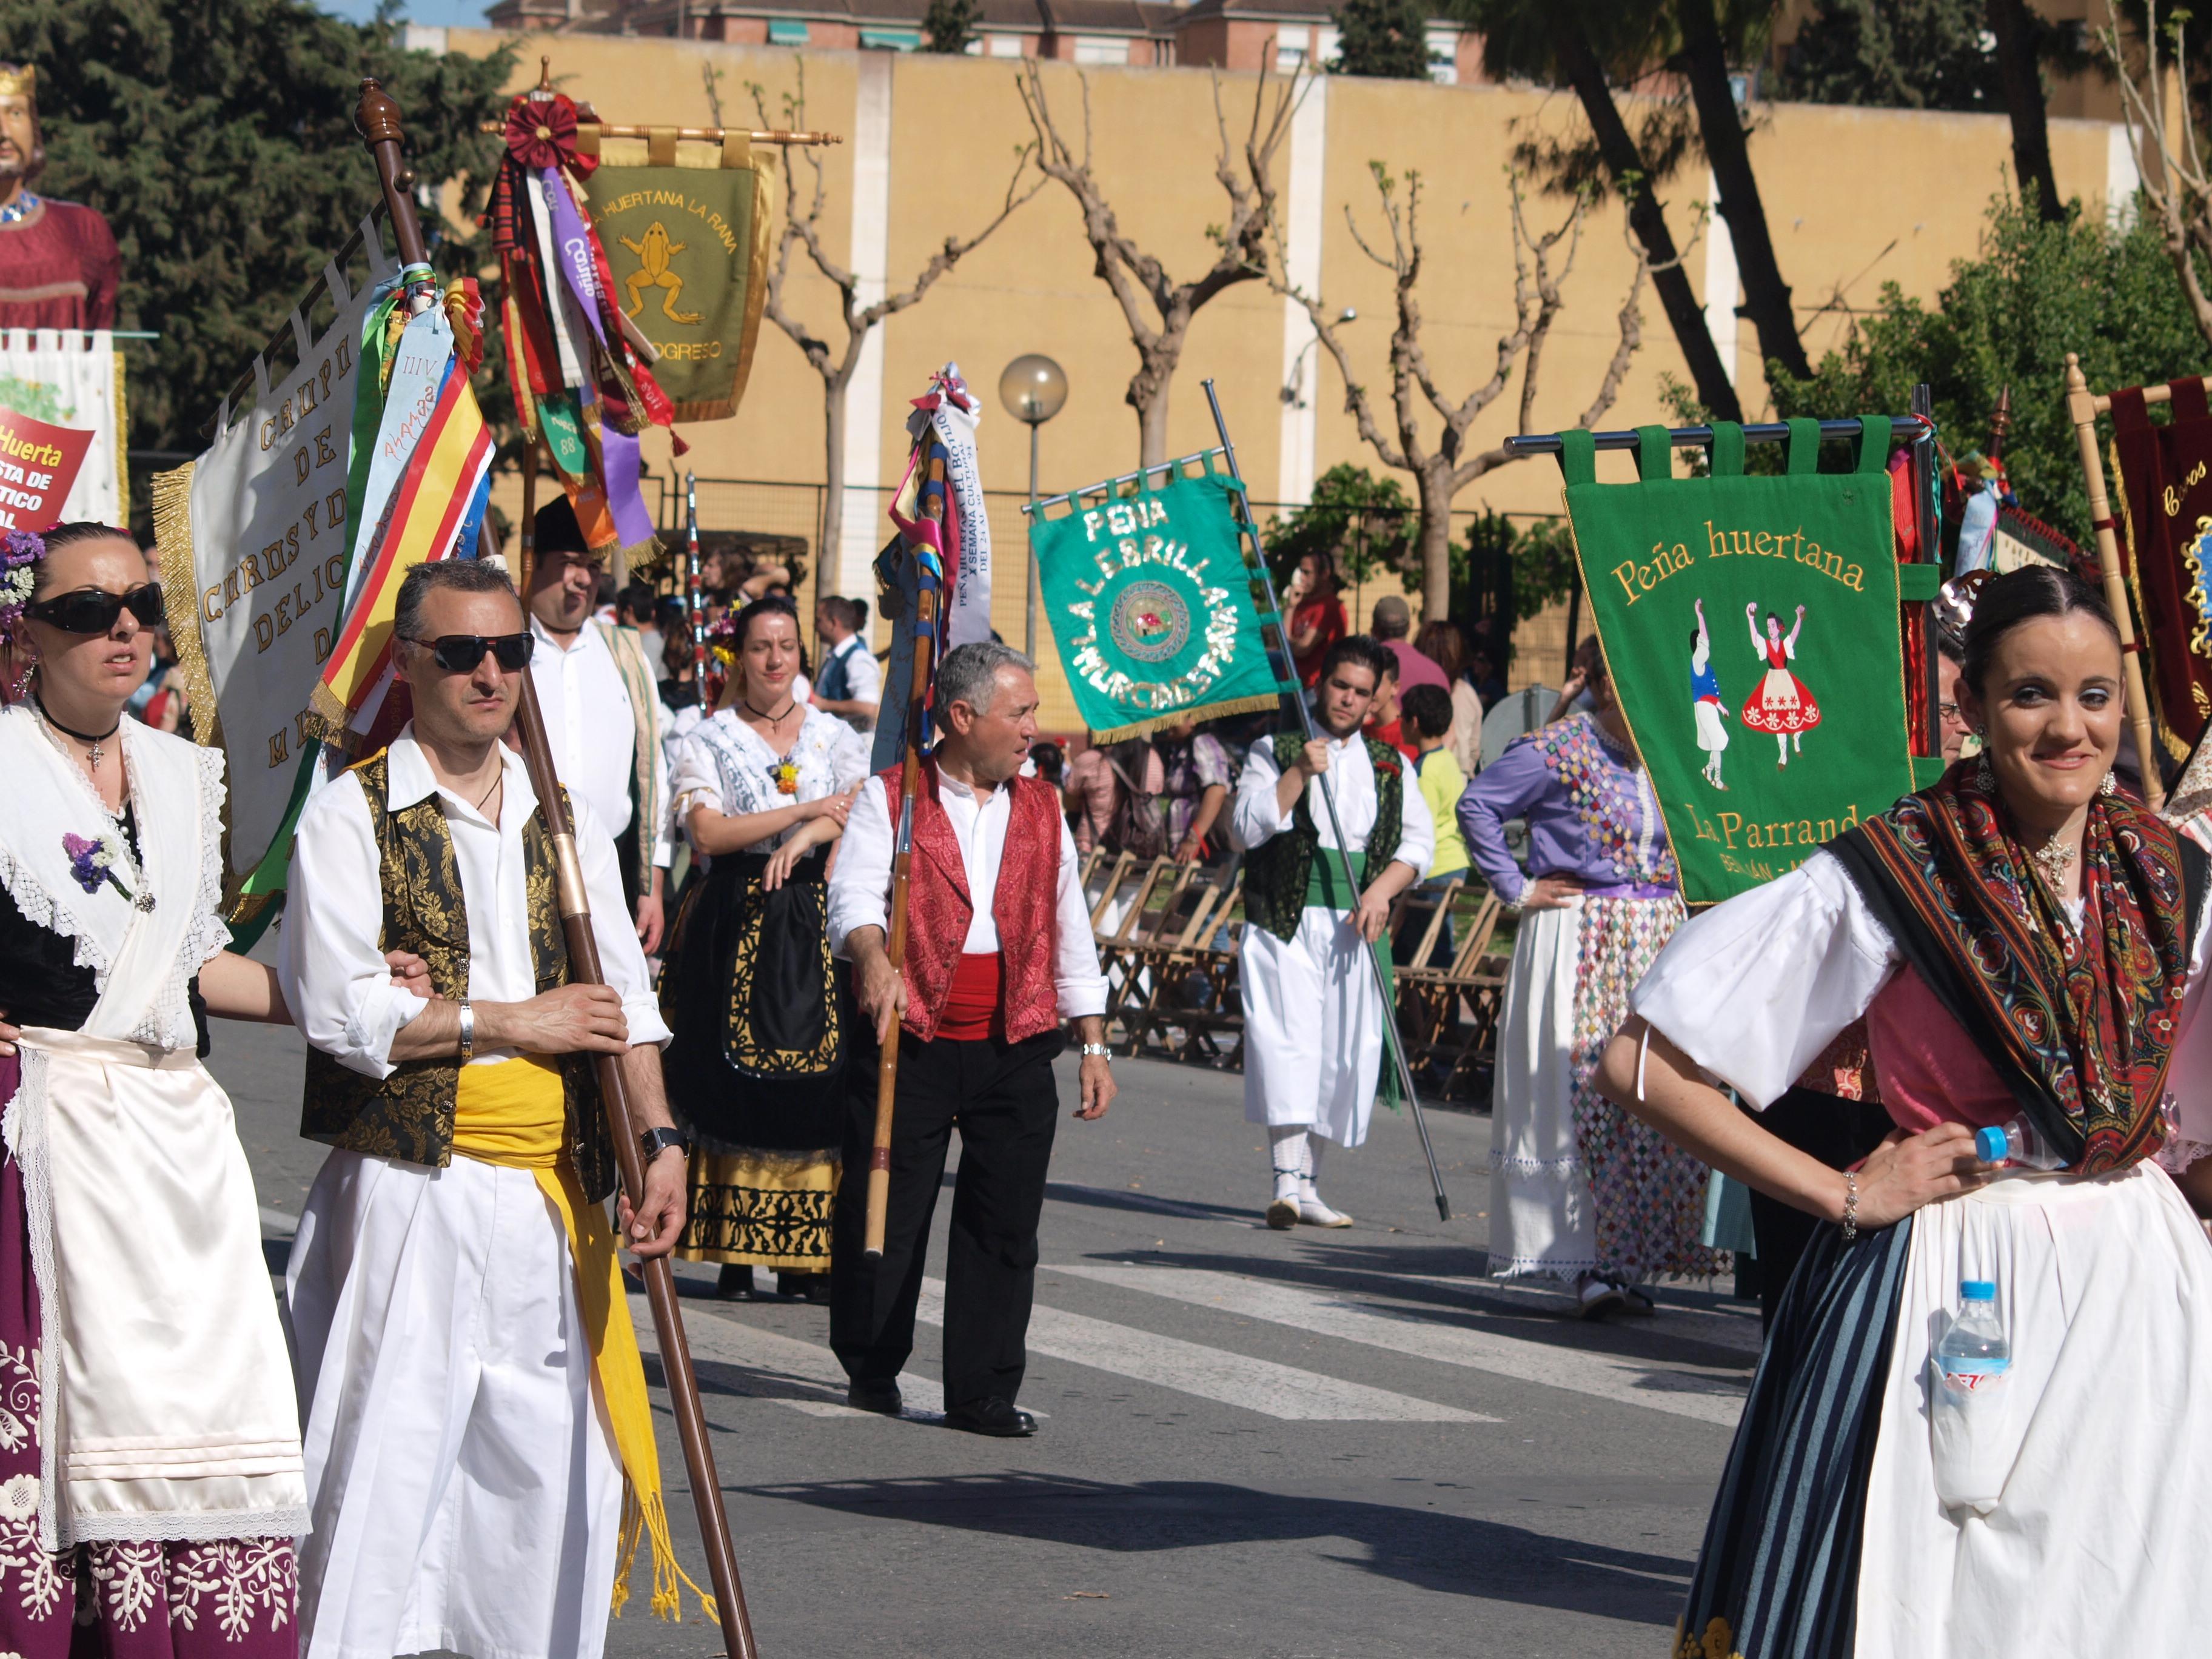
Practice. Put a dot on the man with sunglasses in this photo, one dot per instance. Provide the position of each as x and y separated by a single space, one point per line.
455 1301
602 702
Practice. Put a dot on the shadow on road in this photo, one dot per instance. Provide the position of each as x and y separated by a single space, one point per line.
1451 1553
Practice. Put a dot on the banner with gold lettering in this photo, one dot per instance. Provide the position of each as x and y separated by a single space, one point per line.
1751 629
2165 509
688 244
254 539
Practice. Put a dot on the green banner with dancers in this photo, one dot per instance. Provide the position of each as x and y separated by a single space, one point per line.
1750 627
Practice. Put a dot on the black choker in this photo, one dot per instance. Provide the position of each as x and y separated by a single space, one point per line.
81 737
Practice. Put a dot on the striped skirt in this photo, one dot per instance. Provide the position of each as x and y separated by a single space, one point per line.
1779 1572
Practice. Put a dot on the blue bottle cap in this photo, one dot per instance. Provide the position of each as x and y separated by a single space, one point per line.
1990 1146
1978 1290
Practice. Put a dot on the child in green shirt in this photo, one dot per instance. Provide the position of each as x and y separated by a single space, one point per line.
1426 719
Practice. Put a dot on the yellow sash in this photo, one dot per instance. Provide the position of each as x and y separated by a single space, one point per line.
513 1115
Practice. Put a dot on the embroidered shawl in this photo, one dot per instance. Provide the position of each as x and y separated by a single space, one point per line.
2081 1036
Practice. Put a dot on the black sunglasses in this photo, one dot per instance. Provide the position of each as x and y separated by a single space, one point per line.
460 653
89 610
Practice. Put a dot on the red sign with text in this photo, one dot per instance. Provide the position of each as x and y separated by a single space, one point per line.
39 462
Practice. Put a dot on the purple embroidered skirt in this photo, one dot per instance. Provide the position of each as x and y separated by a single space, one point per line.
232 1597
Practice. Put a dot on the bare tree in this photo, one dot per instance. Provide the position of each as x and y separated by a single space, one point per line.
1440 467
1158 310
802 230
2176 180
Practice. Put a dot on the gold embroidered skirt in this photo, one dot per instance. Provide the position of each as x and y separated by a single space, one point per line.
762 1209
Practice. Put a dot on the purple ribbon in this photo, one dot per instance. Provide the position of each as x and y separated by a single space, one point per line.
623 464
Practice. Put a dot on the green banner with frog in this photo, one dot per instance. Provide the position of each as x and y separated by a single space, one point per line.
1751 630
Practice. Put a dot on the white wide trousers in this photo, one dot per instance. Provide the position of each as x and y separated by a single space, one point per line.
463 1482
1313 1028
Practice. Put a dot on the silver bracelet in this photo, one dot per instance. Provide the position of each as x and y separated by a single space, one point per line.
1097 1048
1850 1207
468 1033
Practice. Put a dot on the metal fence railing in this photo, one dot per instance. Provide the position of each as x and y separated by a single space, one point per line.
785 519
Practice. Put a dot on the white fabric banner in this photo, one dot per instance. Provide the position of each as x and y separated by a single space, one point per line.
253 540
76 380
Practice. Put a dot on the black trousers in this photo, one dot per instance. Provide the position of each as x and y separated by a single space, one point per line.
1837 1131
1003 1099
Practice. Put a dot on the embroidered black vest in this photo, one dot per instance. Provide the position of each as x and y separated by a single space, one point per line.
1276 870
409 1115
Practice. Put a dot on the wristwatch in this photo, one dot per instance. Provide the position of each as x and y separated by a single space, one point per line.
656 1141
1097 1048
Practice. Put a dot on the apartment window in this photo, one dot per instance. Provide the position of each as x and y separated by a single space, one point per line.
1100 49
1443 56
786 31
1005 45
1291 46
891 39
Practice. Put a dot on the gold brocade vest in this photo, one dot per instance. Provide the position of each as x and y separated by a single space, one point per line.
409 1115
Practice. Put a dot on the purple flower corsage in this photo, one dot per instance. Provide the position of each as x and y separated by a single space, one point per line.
93 862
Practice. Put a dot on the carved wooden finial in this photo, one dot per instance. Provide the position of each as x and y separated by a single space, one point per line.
544 87
376 117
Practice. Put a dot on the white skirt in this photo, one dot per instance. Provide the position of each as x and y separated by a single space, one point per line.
167 1413
1541 1218
2105 1290
1313 1028
465 1486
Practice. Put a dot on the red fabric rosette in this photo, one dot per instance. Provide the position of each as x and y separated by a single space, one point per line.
541 132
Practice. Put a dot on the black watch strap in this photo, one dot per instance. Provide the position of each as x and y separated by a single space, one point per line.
656 1140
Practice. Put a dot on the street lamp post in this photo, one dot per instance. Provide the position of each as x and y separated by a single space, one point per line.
1033 389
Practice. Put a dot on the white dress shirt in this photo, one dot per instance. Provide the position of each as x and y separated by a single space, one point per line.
332 958
861 885
592 728
1254 819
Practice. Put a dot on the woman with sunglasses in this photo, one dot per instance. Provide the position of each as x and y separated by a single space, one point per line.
150 1472
762 788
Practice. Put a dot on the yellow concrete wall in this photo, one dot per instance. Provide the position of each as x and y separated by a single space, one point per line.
1854 198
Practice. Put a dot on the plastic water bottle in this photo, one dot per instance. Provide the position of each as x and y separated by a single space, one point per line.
1973 1438
1974 1347
2018 1142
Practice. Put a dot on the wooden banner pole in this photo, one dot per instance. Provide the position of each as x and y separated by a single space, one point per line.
378 119
2082 409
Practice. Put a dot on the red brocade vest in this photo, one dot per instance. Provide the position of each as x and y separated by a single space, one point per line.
939 908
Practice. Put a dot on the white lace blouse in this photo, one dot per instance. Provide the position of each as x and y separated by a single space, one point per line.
724 763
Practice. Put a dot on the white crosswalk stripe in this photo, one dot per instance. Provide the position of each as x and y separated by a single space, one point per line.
1708 1395
1233 1379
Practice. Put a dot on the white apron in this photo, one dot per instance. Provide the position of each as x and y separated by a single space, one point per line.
1541 1221
2105 1290
167 1411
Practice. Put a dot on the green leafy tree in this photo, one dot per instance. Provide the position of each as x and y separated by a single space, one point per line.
951 24
2008 317
1366 524
1387 39
218 140
1902 54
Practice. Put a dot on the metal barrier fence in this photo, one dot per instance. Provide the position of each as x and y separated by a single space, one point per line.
782 520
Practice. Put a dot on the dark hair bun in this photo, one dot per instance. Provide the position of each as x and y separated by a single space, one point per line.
2021 596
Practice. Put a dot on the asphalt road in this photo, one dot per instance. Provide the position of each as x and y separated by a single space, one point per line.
1255 1443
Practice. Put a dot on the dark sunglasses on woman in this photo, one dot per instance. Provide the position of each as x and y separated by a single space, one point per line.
460 653
92 610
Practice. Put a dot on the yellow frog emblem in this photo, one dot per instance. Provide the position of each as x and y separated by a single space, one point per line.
656 258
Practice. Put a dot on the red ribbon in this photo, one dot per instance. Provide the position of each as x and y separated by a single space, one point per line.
541 132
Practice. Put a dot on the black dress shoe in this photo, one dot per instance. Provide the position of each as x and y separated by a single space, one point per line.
1000 1419
874 1396
803 1287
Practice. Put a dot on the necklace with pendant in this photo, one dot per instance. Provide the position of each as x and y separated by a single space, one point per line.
2055 858
97 742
